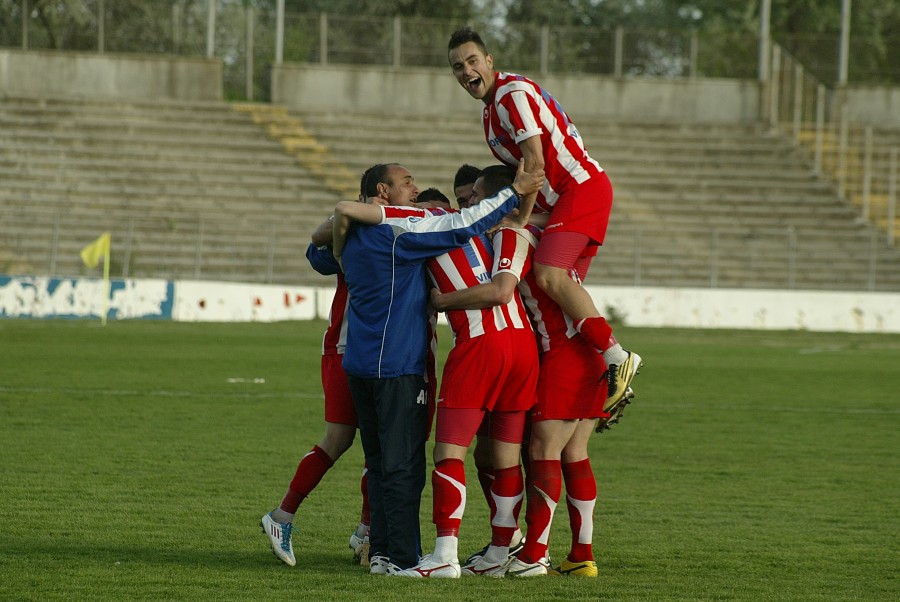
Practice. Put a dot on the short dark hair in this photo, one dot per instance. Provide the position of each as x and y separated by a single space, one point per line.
432 194
466 174
372 177
496 177
462 36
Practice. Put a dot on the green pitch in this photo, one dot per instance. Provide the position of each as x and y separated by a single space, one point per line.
138 458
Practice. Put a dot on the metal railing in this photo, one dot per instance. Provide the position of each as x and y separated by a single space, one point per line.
47 242
205 248
860 160
248 39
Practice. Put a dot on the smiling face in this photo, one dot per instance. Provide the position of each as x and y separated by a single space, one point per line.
402 188
473 69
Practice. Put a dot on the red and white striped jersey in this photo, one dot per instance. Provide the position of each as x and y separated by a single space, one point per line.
521 109
405 211
335 338
472 265
551 325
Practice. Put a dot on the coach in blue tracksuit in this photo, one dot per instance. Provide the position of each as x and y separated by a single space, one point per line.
383 256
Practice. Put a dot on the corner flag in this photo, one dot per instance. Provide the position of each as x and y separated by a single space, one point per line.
93 252
91 255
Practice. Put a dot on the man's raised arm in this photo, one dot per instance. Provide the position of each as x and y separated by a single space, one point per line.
344 213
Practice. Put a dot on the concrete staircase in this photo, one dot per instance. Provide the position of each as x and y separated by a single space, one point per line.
732 206
721 205
215 191
873 203
187 190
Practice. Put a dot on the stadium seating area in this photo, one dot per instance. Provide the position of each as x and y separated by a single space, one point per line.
199 190
231 192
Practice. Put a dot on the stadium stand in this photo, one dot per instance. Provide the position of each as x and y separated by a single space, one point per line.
198 188
231 192
878 150
696 205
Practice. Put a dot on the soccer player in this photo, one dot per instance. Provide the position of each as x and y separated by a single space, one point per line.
463 182
383 257
523 121
561 423
463 187
432 198
498 344
340 415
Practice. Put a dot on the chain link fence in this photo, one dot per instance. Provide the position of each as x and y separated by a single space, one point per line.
268 251
244 37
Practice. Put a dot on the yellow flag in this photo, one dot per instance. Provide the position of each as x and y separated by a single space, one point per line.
95 251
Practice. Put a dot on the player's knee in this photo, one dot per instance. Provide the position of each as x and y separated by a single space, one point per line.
337 441
549 278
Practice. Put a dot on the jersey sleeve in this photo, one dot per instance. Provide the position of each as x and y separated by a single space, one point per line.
518 112
513 249
393 212
322 260
421 237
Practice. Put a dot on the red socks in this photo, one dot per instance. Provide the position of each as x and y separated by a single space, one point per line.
507 492
543 496
310 471
597 332
581 496
449 483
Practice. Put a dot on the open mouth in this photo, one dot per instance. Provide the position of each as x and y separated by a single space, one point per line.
473 84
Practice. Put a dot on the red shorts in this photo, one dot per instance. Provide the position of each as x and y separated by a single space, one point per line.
459 425
567 251
495 371
583 208
339 406
570 386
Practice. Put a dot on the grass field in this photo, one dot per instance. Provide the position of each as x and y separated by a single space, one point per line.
751 466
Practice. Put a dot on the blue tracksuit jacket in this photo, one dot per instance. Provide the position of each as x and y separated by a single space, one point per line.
384 266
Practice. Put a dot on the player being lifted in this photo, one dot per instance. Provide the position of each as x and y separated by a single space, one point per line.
523 121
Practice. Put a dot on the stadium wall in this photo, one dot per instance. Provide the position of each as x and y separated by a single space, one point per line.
201 301
874 105
421 91
109 77
429 91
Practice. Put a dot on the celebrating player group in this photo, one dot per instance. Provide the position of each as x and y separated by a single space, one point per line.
534 368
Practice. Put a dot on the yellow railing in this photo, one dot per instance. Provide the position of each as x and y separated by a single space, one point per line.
303 145
861 161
